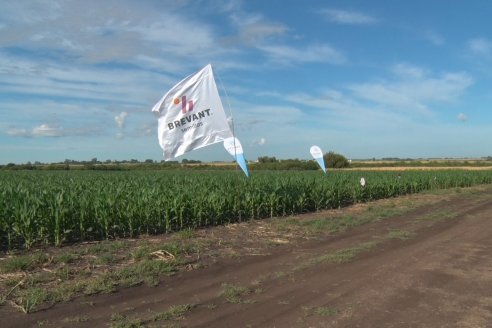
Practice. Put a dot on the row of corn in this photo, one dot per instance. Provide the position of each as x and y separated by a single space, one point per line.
53 208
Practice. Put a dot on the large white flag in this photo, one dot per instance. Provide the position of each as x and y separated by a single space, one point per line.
191 116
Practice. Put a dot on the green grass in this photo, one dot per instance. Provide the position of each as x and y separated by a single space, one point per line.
338 257
27 262
174 312
440 215
234 294
102 284
338 224
399 234
31 298
122 321
147 271
66 257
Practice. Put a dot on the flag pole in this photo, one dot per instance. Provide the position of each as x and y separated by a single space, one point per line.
232 117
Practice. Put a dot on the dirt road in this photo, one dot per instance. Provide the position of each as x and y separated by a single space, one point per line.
430 266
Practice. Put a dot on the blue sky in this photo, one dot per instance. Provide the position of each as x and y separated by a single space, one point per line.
363 78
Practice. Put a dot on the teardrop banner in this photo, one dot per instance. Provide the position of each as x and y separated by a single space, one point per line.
233 147
318 156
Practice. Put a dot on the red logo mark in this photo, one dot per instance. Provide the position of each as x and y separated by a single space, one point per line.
184 105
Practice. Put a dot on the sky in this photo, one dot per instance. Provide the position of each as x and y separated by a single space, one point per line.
367 79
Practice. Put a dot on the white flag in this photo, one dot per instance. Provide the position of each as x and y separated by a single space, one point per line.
317 154
234 147
191 116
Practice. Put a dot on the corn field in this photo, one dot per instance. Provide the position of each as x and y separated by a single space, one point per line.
53 208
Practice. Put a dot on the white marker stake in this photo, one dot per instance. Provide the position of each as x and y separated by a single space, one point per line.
318 156
233 147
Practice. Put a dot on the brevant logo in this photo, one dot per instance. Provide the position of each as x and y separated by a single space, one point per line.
184 105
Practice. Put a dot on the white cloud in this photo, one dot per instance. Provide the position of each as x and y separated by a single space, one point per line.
408 71
17 132
435 38
260 141
328 100
313 53
480 46
259 32
45 130
414 89
462 117
348 17
126 31
120 119
80 82
254 28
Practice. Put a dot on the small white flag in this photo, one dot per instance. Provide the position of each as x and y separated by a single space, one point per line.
234 147
191 115
318 156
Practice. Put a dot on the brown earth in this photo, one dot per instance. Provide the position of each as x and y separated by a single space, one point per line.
428 266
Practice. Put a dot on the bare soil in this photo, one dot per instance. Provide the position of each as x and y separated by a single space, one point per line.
429 266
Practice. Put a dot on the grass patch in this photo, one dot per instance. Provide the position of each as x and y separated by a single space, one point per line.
174 312
32 298
309 227
399 234
234 294
18 263
15 264
103 284
439 216
66 258
122 321
147 271
186 233
340 256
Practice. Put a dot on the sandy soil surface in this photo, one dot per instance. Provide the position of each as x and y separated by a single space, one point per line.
428 267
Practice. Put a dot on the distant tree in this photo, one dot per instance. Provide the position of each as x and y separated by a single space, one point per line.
190 161
336 161
149 161
266 159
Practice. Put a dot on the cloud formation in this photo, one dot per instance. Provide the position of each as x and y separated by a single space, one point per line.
43 130
480 46
414 88
120 119
348 17
462 117
261 141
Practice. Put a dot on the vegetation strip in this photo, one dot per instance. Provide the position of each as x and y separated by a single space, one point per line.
40 208
40 278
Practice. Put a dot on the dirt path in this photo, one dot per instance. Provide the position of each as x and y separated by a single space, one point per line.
429 267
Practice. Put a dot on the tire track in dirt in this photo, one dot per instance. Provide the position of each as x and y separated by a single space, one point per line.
346 286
